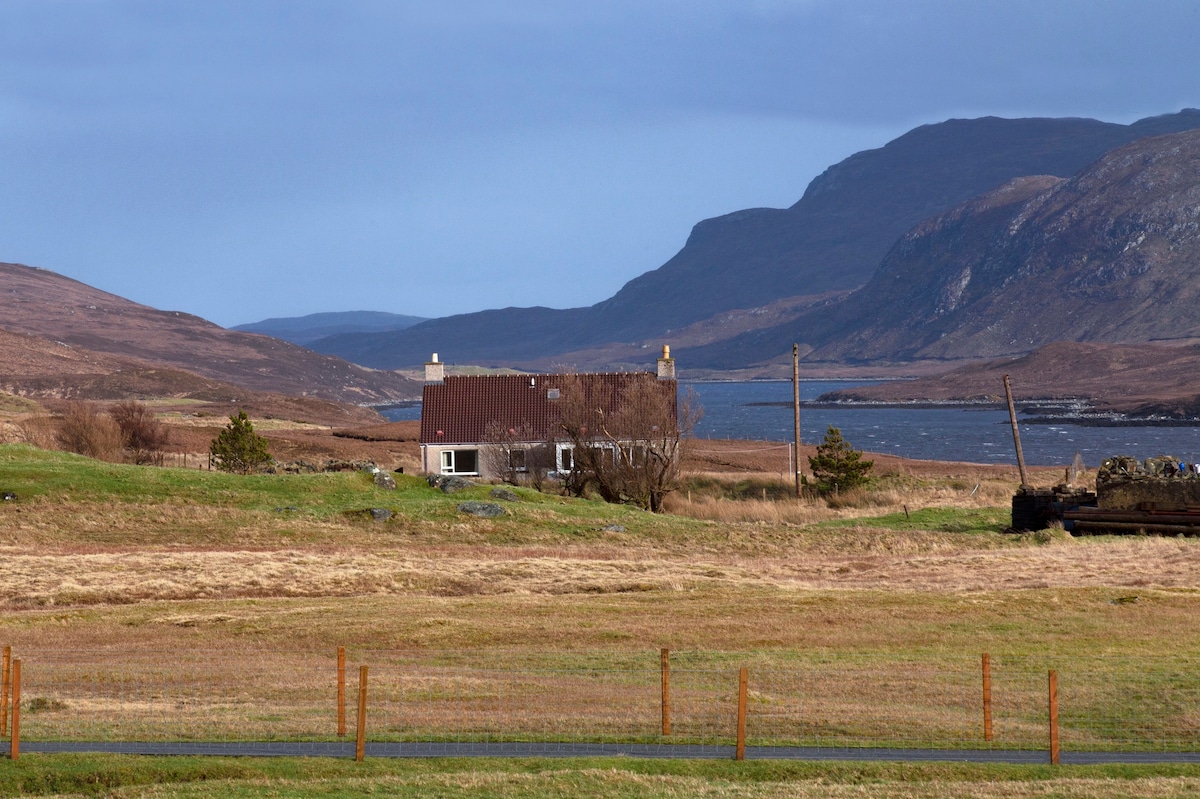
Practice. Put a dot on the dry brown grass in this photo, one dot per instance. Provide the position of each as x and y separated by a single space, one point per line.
731 496
784 577
856 559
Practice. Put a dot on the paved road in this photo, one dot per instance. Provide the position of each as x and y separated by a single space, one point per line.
683 751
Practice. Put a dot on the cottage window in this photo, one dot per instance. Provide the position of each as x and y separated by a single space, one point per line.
516 460
566 459
460 461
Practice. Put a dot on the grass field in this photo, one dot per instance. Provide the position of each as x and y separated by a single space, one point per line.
70 776
142 560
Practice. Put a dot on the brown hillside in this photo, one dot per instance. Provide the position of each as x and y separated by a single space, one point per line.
52 371
40 303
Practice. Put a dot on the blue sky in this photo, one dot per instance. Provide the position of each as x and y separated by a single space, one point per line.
243 160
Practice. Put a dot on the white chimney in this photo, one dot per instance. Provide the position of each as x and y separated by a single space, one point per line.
435 372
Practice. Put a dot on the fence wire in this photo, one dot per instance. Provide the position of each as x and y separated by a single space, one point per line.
792 699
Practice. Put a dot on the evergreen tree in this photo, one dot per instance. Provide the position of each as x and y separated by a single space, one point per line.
238 448
837 466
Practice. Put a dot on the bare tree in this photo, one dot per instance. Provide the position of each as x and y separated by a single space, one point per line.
516 455
84 430
626 448
144 437
503 453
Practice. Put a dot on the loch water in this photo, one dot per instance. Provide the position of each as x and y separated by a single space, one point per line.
762 411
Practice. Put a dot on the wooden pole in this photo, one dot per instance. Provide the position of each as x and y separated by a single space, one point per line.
796 408
5 679
665 664
360 746
14 743
1012 419
743 681
987 697
1054 751
341 690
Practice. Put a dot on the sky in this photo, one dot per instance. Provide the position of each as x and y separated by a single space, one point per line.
246 159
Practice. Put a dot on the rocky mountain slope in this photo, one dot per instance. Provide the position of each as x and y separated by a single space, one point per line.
832 239
1111 254
117 336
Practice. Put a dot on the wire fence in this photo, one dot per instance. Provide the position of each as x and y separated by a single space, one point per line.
935 702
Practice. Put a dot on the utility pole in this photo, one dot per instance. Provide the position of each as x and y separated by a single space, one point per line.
1012 418
796 406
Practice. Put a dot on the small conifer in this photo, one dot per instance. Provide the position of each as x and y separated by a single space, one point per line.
837 466
237 448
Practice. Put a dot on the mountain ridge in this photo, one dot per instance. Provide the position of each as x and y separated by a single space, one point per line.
304 330
1110 255
833 238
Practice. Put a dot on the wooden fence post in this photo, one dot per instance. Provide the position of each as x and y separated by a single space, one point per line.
341 690
987 697
665 663
14 743
5 678
360 746
1054 718
743 681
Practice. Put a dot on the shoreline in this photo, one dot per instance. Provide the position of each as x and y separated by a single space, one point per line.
1031 413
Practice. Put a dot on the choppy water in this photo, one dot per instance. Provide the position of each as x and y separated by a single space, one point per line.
981 435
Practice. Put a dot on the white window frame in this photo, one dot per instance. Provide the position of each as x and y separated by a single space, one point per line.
449 461
564 458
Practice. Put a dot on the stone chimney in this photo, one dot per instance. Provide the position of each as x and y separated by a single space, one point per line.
666 365
436 372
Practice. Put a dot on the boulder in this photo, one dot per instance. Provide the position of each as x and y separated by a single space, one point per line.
504 494
448 483
384 480
380 514
484 510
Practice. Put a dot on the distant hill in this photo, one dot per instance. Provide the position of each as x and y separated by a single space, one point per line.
832 239
1109 255
1142 380
304 330
101 334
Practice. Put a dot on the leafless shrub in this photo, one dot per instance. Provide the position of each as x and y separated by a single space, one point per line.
41 431
144 437
84 430
515 456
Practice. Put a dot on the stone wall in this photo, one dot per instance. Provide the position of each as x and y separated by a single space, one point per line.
1124 483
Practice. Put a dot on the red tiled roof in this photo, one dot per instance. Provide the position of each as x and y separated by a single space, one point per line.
459 410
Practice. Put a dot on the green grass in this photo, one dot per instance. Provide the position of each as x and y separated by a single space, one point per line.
133 495
518 778
11 403
973 521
